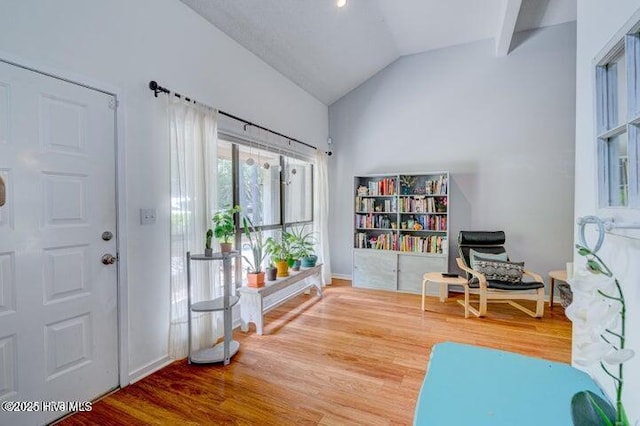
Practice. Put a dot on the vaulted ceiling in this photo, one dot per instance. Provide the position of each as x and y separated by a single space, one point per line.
328 51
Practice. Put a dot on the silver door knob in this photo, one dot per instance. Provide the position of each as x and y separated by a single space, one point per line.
109 259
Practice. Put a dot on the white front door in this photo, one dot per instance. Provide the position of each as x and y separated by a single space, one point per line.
58 301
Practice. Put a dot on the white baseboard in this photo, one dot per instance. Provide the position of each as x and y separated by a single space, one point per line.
341 277
148 369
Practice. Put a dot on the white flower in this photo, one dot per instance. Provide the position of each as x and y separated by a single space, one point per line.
591 353
619 356
592 314
583 281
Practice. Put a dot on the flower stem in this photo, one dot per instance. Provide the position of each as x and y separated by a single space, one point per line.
620 379
615 334
609 342
609 297
609 373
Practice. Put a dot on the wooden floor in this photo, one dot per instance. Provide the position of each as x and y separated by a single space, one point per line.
355 357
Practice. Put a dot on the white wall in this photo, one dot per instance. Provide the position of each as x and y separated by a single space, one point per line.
125 44
598 22
504 128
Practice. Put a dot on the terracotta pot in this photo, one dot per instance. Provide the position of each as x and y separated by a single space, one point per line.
255 280
283 268
226 247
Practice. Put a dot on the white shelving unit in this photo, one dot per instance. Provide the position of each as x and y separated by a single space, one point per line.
224 350
401 229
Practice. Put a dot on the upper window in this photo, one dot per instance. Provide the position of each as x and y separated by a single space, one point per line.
259 185
225 174
298 178
616 80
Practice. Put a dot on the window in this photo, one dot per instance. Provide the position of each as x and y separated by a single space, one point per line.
299 191
259 185
225 174
274 190
617 124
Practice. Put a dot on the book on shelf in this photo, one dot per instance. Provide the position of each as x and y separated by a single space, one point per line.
421 204
385 186
438 186
433 244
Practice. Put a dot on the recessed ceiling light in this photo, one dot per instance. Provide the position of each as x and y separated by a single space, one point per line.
341 3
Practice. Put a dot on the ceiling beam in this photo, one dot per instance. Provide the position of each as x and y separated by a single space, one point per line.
507 26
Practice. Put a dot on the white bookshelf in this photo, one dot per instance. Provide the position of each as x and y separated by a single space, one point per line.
400 229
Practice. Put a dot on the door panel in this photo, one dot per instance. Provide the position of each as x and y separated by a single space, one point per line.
58 302
373 269
412 268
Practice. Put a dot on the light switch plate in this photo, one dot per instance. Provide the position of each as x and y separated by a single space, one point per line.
147 216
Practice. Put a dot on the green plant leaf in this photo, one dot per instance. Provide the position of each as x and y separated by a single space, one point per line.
588 409
625 419
594 266
582 251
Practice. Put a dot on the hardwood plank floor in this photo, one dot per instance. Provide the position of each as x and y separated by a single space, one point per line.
357 357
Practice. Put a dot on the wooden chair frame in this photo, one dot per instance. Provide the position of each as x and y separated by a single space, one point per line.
500 296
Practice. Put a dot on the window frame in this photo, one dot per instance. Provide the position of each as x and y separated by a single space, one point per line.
609 123
284 224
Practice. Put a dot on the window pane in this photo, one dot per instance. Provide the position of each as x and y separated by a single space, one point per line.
259 185
618 170
225 175
617 91
299 190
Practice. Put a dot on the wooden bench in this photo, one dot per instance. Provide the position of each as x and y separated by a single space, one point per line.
470 385
255 302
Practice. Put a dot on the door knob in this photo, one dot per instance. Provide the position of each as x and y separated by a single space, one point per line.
109 259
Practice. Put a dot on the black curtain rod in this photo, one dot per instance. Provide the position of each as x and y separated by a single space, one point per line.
153 85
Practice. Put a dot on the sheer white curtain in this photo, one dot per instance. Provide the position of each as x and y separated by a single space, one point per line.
321 214
193 131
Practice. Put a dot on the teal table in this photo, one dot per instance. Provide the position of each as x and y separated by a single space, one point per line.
470 385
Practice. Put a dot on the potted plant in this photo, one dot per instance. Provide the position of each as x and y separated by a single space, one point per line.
280 252
271 271
293 261
208 251
255 274
303 243
224 227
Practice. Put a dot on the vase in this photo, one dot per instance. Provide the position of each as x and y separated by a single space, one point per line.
208 252
226 247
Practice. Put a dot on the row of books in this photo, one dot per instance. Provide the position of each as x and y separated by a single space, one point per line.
437 186
372 221
432 222
431 244
364 204
434 244
386 186
428 222
423 205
